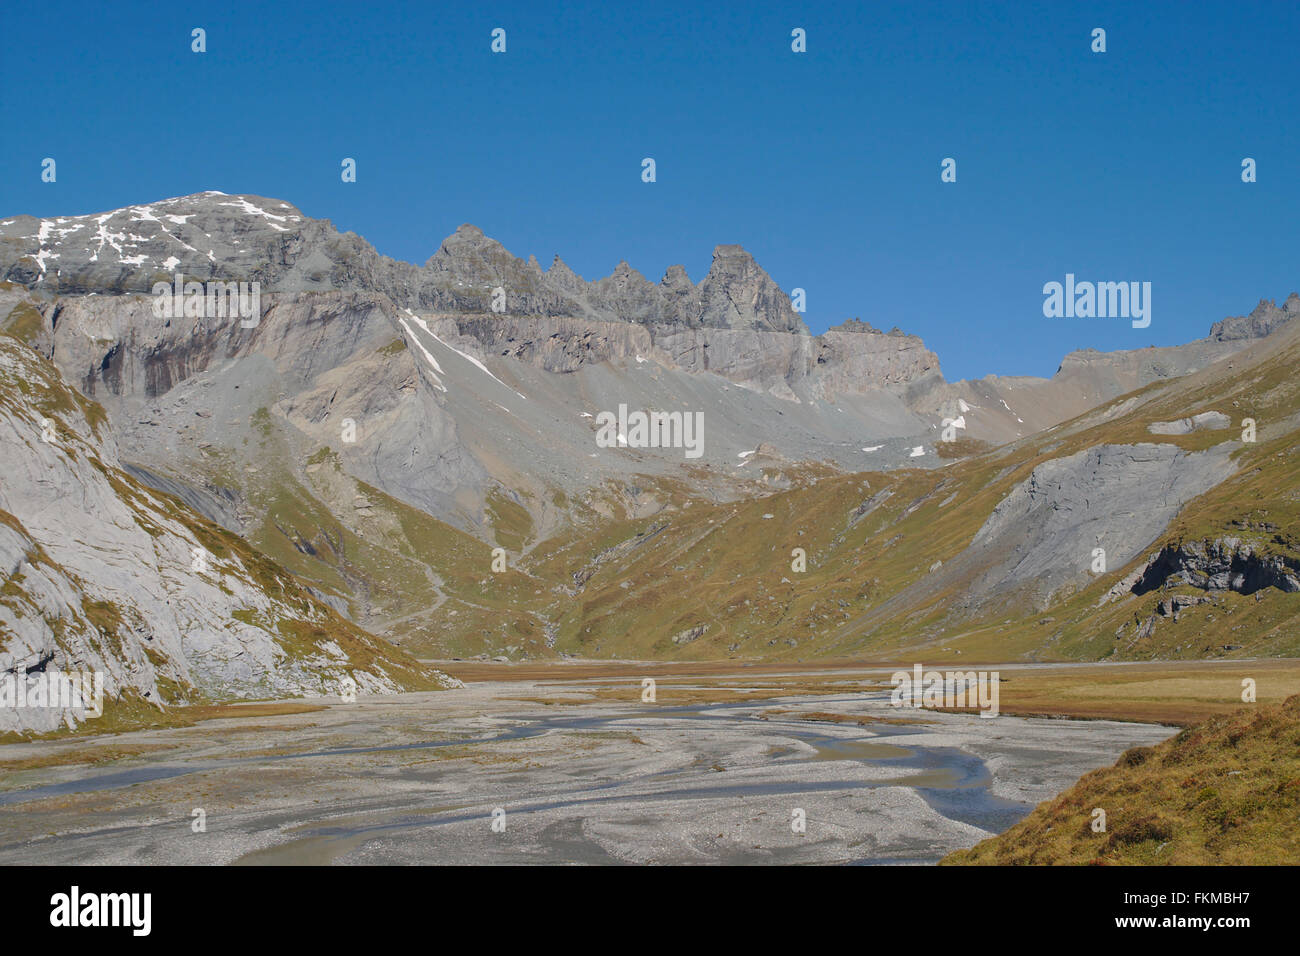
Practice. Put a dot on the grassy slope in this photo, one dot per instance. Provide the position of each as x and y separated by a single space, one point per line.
623 587
729 566
1260 504
611 585
1226 791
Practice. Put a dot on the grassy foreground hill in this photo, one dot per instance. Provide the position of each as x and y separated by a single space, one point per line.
1226 791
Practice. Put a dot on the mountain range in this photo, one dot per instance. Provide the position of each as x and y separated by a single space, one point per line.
396 462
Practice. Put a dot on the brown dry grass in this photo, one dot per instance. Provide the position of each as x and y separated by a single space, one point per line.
1177 694
79 755
1224 792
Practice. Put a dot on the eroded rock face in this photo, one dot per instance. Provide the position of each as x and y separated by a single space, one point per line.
853 353
1212 421
736 321
103 574
554 344
1265 319
1219 564
1041 538
319 359
117 351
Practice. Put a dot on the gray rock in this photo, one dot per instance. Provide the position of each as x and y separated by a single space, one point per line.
102 574
1040 538
1264 320
690 634
1212 421
1221 564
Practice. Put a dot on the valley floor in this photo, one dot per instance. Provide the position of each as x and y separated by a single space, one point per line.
581 769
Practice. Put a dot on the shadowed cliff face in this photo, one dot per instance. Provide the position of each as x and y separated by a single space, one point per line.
1220 564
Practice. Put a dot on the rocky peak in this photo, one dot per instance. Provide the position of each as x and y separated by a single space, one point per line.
206 235
627 295
854 325
738 294
562 277
1265 319
624 274
676 278
468 254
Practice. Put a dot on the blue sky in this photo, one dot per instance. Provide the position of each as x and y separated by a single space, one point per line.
825 165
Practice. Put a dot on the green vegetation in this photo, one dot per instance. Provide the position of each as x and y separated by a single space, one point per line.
23 323
512 525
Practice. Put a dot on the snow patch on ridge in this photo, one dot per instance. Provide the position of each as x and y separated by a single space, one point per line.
252 210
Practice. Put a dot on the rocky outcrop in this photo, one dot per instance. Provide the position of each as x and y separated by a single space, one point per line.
1264 320
559 344
1209 421
1220 564
853 353
690 634
102 574
1042 537
736 322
